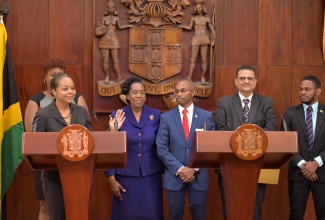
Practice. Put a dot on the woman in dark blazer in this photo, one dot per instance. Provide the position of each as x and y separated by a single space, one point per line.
53 118
137 189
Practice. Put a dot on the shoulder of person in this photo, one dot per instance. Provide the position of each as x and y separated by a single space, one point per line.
37 98
293 108
262 97
43 111
79 107
152 110
202 110
228 97
170 112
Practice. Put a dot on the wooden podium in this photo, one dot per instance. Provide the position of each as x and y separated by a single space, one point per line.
211 149
41 153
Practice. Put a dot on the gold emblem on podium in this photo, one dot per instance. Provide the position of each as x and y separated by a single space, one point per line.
75 143
249 142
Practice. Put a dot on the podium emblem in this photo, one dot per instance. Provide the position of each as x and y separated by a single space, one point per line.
249 142
75 143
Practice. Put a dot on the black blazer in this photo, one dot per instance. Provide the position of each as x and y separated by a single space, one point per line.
229 113
295 118
49 119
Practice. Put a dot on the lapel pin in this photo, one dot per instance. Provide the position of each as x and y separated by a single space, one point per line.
321 111
151 117
195 116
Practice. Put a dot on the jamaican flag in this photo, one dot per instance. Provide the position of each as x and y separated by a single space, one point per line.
11 125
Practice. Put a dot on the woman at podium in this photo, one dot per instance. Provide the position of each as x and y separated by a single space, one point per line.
137 189
60 113
51 67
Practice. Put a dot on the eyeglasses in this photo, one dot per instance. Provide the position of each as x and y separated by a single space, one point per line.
250 79
176 91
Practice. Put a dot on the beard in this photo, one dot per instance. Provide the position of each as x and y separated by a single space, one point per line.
309 101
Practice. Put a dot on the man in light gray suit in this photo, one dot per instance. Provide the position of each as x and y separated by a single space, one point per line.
231 114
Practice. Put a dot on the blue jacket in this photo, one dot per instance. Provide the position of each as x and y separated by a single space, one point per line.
142 159
174 150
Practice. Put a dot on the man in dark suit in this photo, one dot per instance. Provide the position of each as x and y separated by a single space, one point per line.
306 170
230 114
173 148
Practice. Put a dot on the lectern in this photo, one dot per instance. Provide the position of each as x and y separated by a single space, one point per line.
41 153
211 149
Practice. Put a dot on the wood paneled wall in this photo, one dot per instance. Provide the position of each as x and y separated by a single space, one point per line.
282 39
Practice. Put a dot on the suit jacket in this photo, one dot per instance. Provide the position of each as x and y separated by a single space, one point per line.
49 119
174 150
295 118
142 159
229 114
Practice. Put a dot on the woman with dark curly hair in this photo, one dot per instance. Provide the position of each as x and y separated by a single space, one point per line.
137 189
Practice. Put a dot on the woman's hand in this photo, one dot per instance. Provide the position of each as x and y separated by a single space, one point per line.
119 117
116 187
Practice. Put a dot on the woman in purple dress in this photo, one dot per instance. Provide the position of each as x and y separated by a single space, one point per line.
137 189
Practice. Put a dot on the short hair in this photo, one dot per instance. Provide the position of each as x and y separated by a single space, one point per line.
246 67
314 79
190 81
52 63
126 85
57 78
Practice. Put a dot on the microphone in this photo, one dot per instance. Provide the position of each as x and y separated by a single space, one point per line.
95 116
215 122
115 124
284 123
104 119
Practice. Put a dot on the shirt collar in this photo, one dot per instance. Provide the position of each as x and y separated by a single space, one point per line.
243 97
314 106
189 109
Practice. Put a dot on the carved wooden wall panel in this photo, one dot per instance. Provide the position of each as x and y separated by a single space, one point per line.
137 43
281 39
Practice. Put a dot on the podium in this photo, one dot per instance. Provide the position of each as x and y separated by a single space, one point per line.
211 149
41 153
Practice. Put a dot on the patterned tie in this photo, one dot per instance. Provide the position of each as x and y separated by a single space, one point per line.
246 110
185 123
309 124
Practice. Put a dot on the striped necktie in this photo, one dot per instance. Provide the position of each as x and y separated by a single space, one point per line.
309 125
246 110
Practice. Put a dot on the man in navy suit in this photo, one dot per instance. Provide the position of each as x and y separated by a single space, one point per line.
173 148
306 170
230 115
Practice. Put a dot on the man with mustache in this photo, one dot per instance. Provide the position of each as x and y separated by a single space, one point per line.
231 114
306 171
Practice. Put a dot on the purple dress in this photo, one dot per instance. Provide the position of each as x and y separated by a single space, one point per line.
142 177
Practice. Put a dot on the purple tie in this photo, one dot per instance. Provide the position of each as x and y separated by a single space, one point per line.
309 124
246 110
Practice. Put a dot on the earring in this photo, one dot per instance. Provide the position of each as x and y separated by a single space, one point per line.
44 80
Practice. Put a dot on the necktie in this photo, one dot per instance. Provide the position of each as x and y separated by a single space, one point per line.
185 123
246 110
309 124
